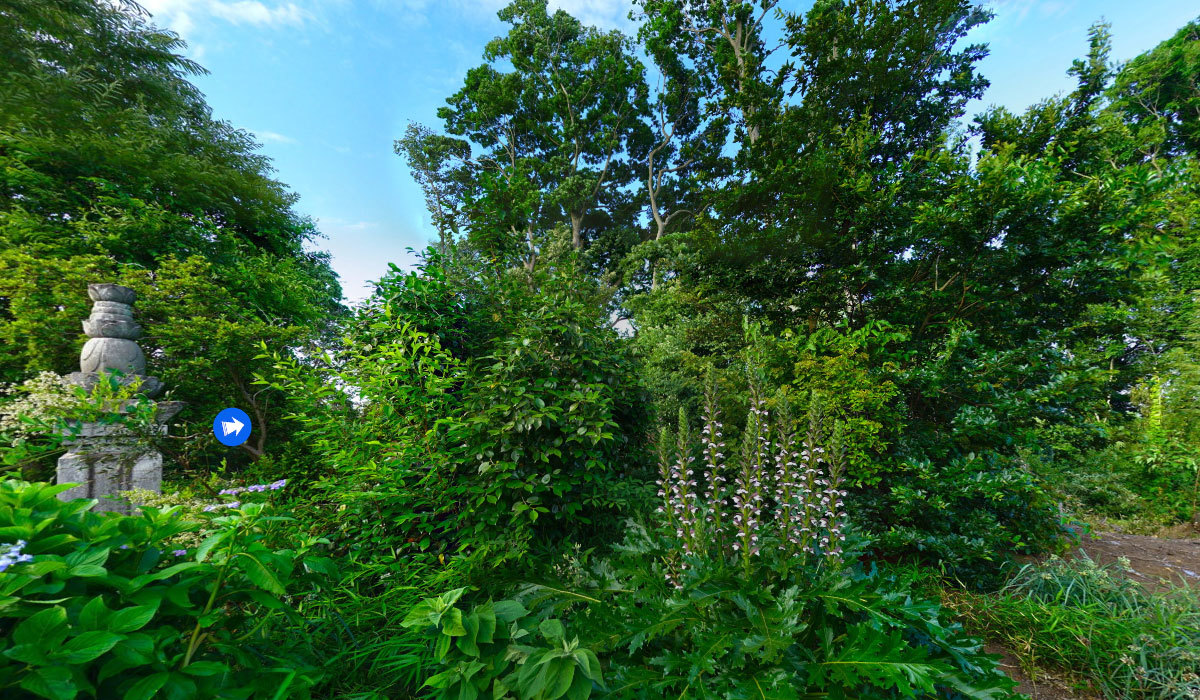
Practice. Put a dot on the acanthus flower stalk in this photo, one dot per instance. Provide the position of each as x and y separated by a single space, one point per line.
788 505
684 491
715 489
834 493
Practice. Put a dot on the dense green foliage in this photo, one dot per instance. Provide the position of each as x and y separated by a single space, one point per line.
479 647
503 405
856 328
120 606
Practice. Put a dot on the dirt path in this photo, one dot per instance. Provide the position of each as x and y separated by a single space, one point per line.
1156 562
1047 685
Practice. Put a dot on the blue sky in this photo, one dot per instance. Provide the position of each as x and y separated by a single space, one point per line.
328 85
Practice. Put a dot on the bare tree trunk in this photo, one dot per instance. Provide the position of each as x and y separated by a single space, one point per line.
576 230
260 419
531 259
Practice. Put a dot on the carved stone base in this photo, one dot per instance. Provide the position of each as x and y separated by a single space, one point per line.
106 459
102 473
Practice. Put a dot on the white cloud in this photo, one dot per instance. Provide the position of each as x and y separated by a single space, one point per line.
1019 10
606 14
345 226
273 137
254 12
184 16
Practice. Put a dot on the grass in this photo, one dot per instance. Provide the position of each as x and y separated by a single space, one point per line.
355 630
1096 624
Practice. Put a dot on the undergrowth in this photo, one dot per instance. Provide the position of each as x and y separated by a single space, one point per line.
1094 622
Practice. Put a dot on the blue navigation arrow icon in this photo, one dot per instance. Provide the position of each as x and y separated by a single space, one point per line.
231 427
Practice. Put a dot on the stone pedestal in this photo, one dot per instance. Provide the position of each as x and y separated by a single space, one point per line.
106 459
110 471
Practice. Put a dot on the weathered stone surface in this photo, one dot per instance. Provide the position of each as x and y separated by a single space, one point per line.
106 354
111 347
104 473
112 292
112 329
112 319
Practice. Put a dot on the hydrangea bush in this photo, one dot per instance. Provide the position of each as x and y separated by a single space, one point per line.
105 605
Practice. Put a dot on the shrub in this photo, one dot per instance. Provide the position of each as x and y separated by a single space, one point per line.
494 651
430 448
969 515
549 434
742 588
714 632
106 609
745 591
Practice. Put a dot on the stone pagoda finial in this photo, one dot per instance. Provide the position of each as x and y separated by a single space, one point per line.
111 345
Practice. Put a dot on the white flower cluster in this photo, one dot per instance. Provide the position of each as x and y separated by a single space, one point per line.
748 492
38 404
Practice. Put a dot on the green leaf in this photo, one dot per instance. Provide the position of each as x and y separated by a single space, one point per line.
209 543
205 668
32 654
451 597
48 627
135 650
586 658
180 687
509 610
87 571
552 630
87 557
87 647
43 567
418 616
94 614
147 687
466 643
131 619
259 574
145 579
113 666
441 647
452 623
486 616
442 680
560 675
53 682
581 688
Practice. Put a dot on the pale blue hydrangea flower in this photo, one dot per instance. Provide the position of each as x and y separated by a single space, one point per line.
11 554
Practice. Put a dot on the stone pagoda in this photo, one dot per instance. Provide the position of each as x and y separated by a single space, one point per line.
107 458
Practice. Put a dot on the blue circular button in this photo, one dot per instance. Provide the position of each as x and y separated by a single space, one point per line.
232 427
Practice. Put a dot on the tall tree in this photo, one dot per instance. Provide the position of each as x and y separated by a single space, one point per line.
555 131
112 168
1160 89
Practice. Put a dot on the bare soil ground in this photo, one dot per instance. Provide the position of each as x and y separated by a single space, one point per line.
1046 685
1157 563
